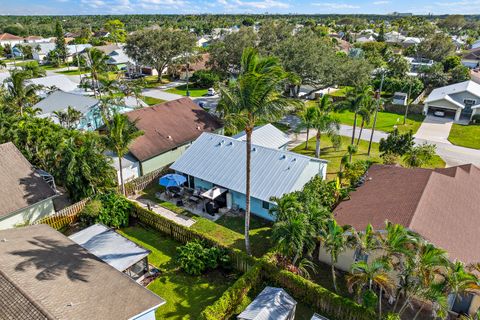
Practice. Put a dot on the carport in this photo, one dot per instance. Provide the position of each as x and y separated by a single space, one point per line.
449 113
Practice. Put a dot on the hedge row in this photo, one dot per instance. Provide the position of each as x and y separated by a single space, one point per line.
226 305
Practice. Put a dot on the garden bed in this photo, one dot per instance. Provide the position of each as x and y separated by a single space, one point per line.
186 295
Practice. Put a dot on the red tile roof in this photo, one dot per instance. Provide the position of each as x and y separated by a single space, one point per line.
8 36
169 125
443 205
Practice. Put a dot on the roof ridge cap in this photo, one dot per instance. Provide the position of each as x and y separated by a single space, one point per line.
410 223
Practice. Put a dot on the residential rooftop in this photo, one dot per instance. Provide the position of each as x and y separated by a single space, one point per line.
59 100
266 136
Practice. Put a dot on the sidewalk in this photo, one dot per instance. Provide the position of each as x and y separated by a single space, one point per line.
178 218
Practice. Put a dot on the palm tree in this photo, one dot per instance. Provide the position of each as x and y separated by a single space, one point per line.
96 63
68 118
307 116
34 69
367 241
255 96
120 134
371 275
365 113
20 94
324 123
334 239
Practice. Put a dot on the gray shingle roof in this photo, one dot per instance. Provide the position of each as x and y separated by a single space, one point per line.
444 92
221 160
111 247
271 304
60 100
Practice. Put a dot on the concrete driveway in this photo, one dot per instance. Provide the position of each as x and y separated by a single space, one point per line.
435 129
160 94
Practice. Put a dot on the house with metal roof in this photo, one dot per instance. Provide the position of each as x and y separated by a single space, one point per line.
458 101
215 160
267 136
58 81
26 193
46 275
116 250
271 304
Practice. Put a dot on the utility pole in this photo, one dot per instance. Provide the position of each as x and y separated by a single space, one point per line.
188 67
408 102
377 97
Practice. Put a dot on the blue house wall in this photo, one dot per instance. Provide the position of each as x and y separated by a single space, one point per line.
239 199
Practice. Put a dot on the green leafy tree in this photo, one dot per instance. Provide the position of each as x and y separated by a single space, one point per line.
60 44
451 62
255 96
34 69
396 144
116 28
119 136
459 74
159 47
398 66
436 47
420 155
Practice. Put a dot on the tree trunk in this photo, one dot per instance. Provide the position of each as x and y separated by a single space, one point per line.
317 146
418 312
406 115
360 133
248 132
122 186
380 305
306 141
354 128
334 279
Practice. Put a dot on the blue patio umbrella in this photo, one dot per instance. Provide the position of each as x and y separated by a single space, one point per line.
172 180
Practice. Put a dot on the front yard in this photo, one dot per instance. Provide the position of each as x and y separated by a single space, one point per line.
465 136
194 91
151 101
186 295
334 156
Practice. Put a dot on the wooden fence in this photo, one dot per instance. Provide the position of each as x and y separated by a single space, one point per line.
65 216
140 183
240 260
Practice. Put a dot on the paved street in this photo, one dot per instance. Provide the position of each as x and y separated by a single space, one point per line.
160 94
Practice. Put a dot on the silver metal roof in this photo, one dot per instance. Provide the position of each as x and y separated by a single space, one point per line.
266 136
60 100
271 304
109 246
221 160
316 316
61 82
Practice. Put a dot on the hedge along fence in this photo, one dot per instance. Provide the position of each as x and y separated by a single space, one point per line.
240 260
65 216
321 299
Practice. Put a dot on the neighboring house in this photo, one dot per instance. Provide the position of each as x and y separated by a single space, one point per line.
107 49
417 64
200 64
45 275
26 194
215 160
411 41
271 303
203 41
471 58
365 39
459 100
119 59
394 37
40 51
438 204
116 250
476 44
130 165
400 98
267 136
36 39
168 129
10 39
59 81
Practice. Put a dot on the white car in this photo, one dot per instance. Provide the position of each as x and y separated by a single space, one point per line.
439 114
211 92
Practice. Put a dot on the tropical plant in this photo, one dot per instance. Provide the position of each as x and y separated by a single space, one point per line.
396 144
34 70
420 155
115 210
20 95
255 96
96 63
195 258
324 123
119 135
68 118
307 115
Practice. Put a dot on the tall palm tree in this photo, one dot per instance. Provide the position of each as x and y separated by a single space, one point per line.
96 64
255 96
68 118
120 134
334 240
324 122
371 275
307 115
365 113
34 69
20 94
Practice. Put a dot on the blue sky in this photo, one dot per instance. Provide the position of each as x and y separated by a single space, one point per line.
45 7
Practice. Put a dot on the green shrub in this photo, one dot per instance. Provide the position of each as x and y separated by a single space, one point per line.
115 210
194 258
476 119
205 78
392 316
90 212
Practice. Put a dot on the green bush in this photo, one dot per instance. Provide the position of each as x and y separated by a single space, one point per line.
476 118
194 258
90 212
115 211
205 78
392 316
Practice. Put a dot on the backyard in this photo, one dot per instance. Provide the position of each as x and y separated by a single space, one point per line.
228 230
334 156
465 136
194 91
186 295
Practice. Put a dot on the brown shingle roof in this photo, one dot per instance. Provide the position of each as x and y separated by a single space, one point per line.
439 204
9 36
20 185
65 280
169 125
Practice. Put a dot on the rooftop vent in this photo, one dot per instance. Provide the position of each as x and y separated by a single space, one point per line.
254 149
231 143
169 137
283 157
198 128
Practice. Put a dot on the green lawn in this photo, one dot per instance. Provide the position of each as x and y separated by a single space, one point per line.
194 92
465 136
334 156
72 72
229 231
52 67
186 295
151 81
152 101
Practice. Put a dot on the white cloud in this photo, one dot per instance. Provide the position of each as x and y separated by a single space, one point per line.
264 4
335 5
378 3
94 3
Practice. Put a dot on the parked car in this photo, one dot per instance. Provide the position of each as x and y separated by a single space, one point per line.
439 114
211 92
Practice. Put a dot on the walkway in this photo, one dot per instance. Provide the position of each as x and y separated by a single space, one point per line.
178 218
